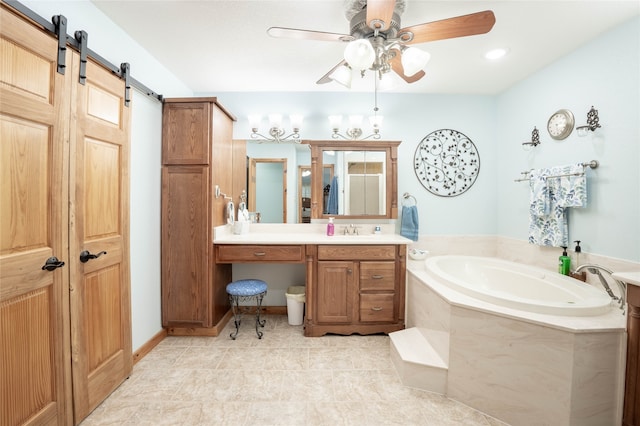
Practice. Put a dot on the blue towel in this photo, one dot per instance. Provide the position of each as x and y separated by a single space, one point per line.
409 222
332 201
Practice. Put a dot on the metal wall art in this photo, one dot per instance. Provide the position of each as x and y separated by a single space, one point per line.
446 163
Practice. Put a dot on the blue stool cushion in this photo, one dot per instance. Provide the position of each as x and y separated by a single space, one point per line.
246 287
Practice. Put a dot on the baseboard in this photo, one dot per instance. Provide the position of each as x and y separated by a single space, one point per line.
147 347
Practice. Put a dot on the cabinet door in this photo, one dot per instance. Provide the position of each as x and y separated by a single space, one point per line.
100 297
335 292
35 378
185 246
185 137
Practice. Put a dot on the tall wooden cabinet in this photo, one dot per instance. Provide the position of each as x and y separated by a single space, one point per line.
65 324
197 158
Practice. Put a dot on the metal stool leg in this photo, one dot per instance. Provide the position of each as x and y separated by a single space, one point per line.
259 322
237 315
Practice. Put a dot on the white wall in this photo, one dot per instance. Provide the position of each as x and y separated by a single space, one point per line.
110 42
604 73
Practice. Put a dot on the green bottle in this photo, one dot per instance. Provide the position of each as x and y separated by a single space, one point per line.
564 262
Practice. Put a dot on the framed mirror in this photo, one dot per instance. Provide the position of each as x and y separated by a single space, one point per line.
268 188
364 181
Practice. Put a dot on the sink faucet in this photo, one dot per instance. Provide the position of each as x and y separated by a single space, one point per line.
595 269
351 229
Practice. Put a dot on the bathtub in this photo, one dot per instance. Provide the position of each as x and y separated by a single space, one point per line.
519 286
520 343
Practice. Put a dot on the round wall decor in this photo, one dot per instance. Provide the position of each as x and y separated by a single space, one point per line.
446 162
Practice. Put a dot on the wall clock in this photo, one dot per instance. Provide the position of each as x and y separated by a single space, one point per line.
560 124
446 163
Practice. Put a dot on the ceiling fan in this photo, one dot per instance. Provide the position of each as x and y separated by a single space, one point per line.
377 42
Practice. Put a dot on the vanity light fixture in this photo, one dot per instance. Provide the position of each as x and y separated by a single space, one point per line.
535 138
592 123
354 131
276 131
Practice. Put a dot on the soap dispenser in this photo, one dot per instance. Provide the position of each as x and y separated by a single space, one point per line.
330 227
564 264
577 250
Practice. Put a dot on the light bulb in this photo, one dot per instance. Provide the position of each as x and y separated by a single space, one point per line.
413 60
359 54
342 75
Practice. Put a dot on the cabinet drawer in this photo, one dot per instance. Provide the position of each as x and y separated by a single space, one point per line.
376 307
363 252
239 253
377 276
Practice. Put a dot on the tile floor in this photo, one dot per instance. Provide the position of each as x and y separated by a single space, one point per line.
282 379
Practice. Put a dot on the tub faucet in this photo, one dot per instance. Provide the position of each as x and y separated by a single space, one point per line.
595 269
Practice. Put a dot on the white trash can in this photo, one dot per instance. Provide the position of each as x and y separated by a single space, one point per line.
295 304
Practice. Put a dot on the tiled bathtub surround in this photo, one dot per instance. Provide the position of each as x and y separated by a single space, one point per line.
282 379
521 368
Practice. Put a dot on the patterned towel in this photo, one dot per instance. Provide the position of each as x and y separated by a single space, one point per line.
550 196
409 222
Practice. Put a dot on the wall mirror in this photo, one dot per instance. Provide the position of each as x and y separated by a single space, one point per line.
304 190
268 188
364 181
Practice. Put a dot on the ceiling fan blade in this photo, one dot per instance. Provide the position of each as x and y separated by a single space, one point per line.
379 14
281 32
460 26
325 78
396 66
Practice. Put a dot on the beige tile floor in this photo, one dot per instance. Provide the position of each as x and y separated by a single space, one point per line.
282 379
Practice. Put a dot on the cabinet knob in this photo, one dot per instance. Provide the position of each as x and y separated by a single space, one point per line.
377 277
52 263
376 308
259 253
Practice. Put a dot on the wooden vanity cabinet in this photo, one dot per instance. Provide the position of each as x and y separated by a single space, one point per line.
197 154
356 289
631 416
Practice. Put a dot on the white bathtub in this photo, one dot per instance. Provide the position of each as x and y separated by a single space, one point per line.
519 286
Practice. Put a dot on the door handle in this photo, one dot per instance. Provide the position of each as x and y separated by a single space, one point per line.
52 263
85 256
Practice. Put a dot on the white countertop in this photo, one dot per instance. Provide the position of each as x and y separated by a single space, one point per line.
628 277
305 233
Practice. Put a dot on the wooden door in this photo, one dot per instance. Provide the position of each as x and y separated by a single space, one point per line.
99 223
335 291
35 380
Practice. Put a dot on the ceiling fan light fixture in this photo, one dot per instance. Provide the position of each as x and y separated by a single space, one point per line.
359 54
342 75
413 60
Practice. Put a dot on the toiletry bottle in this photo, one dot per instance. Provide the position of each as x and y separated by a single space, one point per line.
564 264
330 227
577 250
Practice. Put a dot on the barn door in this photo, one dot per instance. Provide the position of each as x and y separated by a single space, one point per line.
35 380
99 238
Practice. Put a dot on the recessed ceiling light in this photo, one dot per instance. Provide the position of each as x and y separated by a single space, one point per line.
496 53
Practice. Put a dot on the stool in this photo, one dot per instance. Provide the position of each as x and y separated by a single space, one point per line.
242 290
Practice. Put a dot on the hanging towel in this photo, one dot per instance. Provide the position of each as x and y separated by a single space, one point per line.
550 196
571 190
230 213
332 201
409 222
